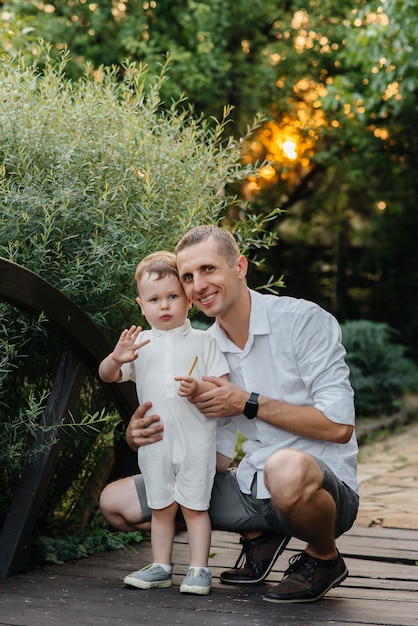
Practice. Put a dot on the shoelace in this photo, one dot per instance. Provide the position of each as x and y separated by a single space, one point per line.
302 563
245 552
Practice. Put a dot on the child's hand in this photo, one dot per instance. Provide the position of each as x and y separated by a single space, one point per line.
126 349
188 386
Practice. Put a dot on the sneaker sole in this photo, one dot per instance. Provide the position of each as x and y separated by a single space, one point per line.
200 591
145 584
335 583
255 581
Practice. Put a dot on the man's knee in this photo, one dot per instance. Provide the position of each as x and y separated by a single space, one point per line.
289 474
110 504
289 466
120 506
106 501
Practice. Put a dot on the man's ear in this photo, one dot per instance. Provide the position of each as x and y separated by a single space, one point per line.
242 266
189 304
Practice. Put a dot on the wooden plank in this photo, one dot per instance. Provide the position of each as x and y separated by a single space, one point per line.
377 544
91 591
382 533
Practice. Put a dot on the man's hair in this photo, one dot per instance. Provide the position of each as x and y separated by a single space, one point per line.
162 263
227 246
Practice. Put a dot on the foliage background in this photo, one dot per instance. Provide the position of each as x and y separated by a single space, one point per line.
94 175
340 79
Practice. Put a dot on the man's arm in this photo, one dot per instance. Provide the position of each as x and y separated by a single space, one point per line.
227 399
306 421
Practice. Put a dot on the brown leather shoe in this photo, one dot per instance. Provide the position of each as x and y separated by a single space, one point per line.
260 555
307 579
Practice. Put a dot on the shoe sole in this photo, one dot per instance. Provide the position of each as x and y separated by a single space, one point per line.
145 584
255 581
200 591
335 583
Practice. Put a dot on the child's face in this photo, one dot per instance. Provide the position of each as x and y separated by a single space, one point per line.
163 301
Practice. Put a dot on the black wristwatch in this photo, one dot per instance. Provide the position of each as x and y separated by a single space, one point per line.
251 406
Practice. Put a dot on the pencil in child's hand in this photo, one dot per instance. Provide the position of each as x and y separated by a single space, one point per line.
192 367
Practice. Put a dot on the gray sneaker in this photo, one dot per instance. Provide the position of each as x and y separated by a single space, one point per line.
148 577
197 581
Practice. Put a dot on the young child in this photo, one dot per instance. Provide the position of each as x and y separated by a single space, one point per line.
178 470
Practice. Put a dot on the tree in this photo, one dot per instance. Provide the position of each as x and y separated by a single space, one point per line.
337 81
216 49
375 99
347 237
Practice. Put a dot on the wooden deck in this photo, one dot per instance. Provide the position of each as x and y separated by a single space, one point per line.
382 589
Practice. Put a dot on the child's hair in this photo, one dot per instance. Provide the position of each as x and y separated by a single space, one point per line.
162 263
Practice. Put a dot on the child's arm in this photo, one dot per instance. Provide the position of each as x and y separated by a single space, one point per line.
126 350
190 386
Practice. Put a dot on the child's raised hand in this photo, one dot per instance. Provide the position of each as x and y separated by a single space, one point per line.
188 386
126 349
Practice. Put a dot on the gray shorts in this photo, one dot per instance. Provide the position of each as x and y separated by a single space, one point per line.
234 511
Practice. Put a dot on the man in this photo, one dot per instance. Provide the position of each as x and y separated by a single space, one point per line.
289 394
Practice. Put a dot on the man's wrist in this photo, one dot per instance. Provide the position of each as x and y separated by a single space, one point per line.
251 406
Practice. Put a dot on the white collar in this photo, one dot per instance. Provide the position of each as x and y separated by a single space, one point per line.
183 329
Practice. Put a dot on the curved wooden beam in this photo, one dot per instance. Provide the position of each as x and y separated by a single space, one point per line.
86 345
30 293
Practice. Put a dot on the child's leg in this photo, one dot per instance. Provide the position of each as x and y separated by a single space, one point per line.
162 533
158 573
199 531
198 579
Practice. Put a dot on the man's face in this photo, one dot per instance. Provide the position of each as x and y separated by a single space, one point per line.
207 279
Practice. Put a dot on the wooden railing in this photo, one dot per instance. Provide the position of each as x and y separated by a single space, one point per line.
86 346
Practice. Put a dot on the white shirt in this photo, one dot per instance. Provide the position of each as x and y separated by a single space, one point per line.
293 354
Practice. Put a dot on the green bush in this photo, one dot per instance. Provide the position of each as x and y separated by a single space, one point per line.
84 542
94 175
380 370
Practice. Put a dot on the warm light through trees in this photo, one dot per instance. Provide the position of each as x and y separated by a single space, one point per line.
337 83
289 149
288 144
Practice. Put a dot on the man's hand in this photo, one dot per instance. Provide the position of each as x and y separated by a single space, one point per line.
140 430
223 400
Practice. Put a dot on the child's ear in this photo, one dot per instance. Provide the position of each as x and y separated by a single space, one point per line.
189 304
139 303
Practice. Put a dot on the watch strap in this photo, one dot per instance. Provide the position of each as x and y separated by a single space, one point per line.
251 406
